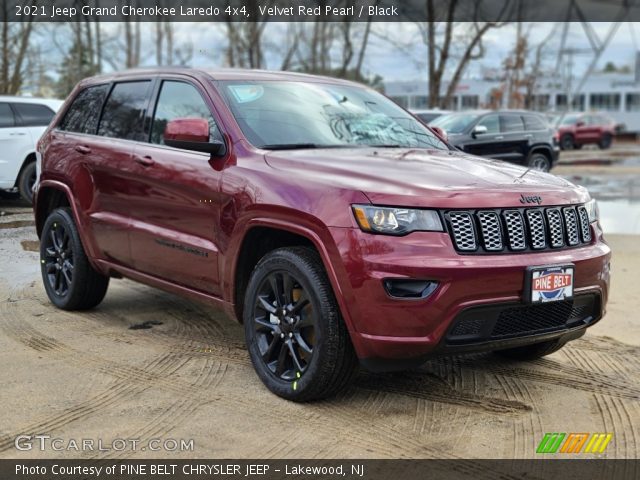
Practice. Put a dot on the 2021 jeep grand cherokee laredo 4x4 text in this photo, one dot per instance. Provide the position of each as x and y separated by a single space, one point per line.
328 220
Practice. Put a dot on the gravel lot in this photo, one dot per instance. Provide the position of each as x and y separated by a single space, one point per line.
91 376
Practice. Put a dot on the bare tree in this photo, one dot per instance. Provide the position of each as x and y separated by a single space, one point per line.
15 42
451 45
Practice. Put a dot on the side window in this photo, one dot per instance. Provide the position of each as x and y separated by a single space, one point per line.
511 123
180 100
534 122
123 115
33 115
83 114
491 122
6 116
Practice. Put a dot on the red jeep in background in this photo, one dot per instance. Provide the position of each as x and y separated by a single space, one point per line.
332 223
578 129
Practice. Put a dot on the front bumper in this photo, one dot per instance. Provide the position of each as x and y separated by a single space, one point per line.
392 331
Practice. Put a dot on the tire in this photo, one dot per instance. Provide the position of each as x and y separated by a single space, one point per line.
305 353
532 352
566 142
539 161
26 182
69 279
605 141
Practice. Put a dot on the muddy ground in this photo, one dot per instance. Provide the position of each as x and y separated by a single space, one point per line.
91 376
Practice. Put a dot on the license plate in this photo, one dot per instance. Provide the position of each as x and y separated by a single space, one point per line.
549 284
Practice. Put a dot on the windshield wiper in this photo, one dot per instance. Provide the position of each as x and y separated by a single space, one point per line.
385 145
295 146
288 146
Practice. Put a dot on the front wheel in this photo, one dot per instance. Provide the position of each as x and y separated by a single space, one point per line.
539 161
69 279
297 340
532 352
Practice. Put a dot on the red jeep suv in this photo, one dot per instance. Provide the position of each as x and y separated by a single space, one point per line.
578 129
329 221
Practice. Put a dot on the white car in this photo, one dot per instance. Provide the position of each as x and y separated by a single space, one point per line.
22 121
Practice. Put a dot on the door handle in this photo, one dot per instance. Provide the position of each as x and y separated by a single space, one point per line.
83 149
145 161
17 134
499 137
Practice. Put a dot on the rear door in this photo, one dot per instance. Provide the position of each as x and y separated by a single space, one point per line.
111 166
515 141
15 145
175 206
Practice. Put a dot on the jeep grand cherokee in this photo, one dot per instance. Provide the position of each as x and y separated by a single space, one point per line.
332 223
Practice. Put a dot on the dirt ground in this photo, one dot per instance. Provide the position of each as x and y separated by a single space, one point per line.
90 376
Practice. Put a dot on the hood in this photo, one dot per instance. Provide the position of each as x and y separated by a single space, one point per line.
426 178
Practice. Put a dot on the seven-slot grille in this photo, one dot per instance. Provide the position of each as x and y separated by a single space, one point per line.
518 229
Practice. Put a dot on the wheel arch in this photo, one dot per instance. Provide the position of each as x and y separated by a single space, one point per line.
30 157
276 234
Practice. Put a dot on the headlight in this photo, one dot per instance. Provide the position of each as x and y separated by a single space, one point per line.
592 210
396 221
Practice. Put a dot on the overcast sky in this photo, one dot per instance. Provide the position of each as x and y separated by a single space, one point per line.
383 57
395 64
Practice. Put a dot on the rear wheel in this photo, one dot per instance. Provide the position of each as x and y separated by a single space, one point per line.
539 161
605 141
27 181
532 352
69 279
297 340
566 142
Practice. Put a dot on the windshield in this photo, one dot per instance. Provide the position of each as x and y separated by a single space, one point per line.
456 123
282 114
569 119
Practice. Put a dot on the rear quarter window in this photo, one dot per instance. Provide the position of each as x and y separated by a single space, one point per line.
534 122
123 115
33 115
84 112
6 116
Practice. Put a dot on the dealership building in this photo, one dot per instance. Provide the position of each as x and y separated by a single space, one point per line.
617 94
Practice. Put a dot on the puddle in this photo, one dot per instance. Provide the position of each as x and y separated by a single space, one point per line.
144 325
30 245
618 199
620 216
17 224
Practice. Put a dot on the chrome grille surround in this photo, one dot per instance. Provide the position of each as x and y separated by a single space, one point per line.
491 230
464 232
571 225
585 227
556 232
537 232
515 230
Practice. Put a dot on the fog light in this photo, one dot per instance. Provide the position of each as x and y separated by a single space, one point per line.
409 288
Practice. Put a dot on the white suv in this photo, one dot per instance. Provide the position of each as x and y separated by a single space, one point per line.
22 122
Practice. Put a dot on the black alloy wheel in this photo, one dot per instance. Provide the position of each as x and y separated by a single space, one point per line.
69 279
285 325
58 259
297 340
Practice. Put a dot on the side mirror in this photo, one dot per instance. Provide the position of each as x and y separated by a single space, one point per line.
479 130
580 123
440 133
192 134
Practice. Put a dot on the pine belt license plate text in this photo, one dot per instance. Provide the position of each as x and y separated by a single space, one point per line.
549 284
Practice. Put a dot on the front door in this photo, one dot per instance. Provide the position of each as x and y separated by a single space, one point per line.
175 211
